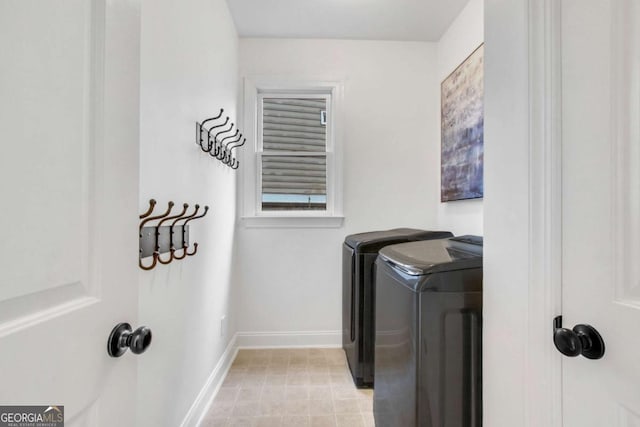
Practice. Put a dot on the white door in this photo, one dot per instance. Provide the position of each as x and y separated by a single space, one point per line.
601 207
69 84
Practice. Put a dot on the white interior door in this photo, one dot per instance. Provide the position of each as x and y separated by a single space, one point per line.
601 207
69 84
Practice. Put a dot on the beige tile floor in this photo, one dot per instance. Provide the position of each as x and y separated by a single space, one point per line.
290 387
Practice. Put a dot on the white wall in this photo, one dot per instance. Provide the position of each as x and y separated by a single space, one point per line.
290 279
464 35
506 216
188 72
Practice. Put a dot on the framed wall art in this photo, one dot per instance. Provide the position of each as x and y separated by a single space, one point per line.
462 131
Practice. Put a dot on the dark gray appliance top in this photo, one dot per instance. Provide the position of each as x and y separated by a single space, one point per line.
434 256
372 241
473 240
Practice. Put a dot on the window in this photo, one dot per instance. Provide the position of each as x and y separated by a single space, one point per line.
292 174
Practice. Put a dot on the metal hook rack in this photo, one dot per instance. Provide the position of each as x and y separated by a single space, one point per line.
160 239
219 145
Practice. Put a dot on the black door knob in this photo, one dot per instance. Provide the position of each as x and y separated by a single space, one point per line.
582 340
122 338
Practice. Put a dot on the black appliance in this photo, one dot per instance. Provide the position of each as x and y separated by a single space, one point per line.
359 252
428 348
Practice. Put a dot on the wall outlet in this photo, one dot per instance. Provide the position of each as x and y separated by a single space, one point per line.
223 326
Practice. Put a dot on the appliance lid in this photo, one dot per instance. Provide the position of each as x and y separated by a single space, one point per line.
374 240
433 256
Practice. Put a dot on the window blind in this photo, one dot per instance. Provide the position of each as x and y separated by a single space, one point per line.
294 164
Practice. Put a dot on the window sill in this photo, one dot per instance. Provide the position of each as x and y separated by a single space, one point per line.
292 221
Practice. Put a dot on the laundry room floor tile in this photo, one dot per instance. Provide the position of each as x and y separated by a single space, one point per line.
290 387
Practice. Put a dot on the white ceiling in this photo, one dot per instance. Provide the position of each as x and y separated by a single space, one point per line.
423 20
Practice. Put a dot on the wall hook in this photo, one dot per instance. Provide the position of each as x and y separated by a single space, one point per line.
220 144
172 246
184 231
195 245
153 263
195 250
231 161
155 253
181 214
223 146
209 141
226 158
216 144
200 126
152 204
213 118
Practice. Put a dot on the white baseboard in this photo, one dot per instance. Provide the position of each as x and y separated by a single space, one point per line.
289 339
317 339
203 402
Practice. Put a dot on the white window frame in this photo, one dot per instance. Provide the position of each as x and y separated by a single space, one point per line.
250 186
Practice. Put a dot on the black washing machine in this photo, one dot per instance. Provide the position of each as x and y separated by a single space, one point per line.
428 348
359 252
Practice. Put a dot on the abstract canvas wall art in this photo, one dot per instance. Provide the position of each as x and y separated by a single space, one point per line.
462 131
